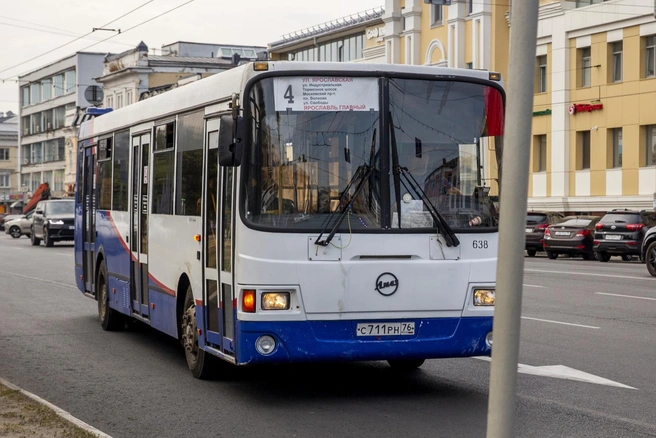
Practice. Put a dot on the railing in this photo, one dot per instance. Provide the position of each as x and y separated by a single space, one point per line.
360 17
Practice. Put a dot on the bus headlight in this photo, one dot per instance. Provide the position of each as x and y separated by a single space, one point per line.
484 297
275 301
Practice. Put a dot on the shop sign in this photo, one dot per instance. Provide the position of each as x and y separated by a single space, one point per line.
546 112
584 107
375 32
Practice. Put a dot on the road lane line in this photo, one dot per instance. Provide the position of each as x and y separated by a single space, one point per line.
591 275
59 411
38 279
533 285
559 322
626 296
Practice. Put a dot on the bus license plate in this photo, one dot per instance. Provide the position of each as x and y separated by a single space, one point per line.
613 237
386 329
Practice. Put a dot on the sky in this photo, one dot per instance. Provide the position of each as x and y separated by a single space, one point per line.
36 28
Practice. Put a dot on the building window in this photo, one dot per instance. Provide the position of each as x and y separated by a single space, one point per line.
650 56
542 74
59 180
70 81
46 89
35 93
540 153
470 6
617 147
617 62
4 180
4 154
437 15
25 96
119 101
58 85
110 102
586 66
403 22
128 98
650 147
469 65
583 151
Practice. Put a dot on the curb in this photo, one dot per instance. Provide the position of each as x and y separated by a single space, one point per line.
59 411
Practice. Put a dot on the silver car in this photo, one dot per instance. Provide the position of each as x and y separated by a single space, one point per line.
19 226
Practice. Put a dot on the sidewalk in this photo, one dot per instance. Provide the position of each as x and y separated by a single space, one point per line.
23 414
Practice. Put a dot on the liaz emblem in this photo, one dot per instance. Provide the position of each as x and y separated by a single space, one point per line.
387 284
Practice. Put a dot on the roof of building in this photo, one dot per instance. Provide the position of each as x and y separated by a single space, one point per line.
187 60
342 23
58 61
216 44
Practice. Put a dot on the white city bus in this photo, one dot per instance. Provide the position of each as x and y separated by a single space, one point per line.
296 212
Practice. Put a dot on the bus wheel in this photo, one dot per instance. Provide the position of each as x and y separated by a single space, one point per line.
110 319
198 360
406 364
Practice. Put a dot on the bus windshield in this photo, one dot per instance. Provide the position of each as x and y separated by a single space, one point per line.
381 151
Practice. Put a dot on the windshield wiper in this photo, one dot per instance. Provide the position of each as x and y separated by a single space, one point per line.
398 171
361 175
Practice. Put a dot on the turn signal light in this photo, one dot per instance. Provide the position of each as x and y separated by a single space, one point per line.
495 76
248 301
197 237
260 66
599 226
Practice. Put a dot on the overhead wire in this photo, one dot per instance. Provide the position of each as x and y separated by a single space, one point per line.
76 39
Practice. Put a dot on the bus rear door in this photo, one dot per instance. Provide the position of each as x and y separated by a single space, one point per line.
89 218
139 224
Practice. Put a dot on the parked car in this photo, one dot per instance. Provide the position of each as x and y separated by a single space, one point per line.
53 221
19 226
573 236
620 233
7 218
536 223
648 250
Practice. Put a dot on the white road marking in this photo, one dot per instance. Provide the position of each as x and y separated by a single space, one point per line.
559 322
533 285
626 296
64 254
589 274
38 279
563 372
59 411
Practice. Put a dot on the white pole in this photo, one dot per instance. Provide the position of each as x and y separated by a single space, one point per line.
514 194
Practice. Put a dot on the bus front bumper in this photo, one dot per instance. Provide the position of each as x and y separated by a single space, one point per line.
324 341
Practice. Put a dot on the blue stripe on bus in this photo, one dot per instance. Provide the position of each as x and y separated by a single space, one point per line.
315 341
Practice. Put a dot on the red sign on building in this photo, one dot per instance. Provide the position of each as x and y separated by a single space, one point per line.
584 107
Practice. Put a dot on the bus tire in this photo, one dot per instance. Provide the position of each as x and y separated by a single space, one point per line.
198 361
110 319
405 364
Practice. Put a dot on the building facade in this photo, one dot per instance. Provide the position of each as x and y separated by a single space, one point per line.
594 119
355 38
46 94
9 190
135 74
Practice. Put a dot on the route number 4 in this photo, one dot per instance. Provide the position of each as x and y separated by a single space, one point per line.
289 95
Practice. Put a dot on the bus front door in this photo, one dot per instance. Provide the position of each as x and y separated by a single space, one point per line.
218 297
139 224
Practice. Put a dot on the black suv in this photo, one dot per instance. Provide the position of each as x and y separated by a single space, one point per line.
621 232
53 221
536 223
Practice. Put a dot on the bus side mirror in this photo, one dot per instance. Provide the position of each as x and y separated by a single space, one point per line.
230 141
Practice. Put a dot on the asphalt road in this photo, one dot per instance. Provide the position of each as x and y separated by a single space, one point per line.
592 317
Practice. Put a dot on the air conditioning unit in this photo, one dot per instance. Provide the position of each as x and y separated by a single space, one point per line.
49 126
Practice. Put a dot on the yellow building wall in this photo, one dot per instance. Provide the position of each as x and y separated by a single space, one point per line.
428 34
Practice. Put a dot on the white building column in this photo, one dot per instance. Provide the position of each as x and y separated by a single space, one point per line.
456 28
560 145
392 20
